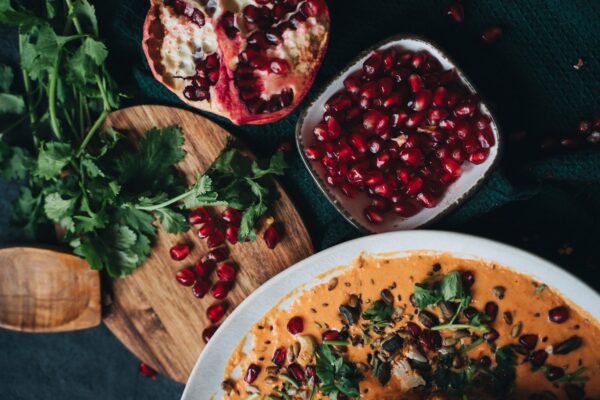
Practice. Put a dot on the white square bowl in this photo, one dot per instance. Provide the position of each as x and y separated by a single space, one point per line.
352 208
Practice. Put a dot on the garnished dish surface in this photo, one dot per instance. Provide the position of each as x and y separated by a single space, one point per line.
423 326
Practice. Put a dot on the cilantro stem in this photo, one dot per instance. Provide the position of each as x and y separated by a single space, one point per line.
471 346
165 203
91 132
52 100
480 328
335 342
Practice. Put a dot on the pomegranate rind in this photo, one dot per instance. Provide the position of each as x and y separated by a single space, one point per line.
225 100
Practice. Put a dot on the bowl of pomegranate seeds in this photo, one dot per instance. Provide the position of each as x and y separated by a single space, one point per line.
399 138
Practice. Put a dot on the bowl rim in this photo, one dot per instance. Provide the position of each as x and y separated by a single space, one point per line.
563 282
350 65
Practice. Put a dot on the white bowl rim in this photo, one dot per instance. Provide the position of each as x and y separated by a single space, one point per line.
562 282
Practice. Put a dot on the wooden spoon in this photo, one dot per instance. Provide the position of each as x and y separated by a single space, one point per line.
43 290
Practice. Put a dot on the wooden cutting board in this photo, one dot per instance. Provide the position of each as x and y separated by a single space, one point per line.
159 320
44 290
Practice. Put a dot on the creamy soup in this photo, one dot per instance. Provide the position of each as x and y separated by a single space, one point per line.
421 327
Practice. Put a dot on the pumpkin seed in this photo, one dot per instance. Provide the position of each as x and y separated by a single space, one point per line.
333 282
567 346
516 329
428 319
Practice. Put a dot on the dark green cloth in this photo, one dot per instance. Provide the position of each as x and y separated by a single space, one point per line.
549 205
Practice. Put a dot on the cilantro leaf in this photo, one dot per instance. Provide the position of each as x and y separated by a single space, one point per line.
425 296
52 158
451 287
172 221
336 375
6 77
380 313
11 104
15 162
83 65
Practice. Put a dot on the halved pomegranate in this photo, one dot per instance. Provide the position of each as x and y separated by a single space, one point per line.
250 61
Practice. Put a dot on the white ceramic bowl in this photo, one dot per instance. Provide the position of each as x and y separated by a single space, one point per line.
352 209
205 380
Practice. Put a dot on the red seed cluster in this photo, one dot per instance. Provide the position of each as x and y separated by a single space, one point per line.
400 131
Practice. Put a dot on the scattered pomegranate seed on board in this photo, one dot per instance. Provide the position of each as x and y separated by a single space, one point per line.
208 333
216 312
220 289
186 276
227 271
199 216
272 236
200 288
179 252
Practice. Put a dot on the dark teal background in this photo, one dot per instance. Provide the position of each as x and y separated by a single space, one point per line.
542 203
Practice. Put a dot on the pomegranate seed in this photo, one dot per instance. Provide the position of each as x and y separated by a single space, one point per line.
468 279
466 109
414 329
231 233
456 11
430 340
352 84
394 99
372 65
529 341
412 157
232 216
216 312
374 120
491 35
558 314
279 356
186 277
179 252
470 312
297 372
216 239
359 142
204 269
491 336
428 200
272 236
389 59
381 204
147 371
479 157
331 335
423 100
383 189
348 190
333 128
295 325
200 288
373 215
415 119
218 255
554 373
538 358
312 153
206 230
226 272
414 186
482 122
373 178
385 86
199 216
311 371
418 60
279 66
208 333
252 372
220 289
406 209
451 166
416 82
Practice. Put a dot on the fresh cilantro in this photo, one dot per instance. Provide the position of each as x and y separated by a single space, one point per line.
379 314
573 376
449 288
500 379
336 375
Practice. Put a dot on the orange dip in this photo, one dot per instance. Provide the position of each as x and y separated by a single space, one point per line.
527 302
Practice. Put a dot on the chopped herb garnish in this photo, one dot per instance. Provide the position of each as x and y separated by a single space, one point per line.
478 323
379 314
470 346
335 342
540 289
336 375
449 288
